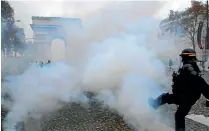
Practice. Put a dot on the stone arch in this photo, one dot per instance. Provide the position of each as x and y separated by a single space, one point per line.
47 29
56 48
61 37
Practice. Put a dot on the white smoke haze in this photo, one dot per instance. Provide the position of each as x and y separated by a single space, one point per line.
115 55
207 64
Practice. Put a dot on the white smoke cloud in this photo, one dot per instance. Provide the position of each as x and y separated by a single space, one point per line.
115 55
81 9
207 64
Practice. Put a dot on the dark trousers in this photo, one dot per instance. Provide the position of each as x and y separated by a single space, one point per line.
184 107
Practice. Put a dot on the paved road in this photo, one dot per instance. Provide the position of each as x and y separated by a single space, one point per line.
77 118
74 117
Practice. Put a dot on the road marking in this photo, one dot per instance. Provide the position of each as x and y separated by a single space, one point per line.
199 118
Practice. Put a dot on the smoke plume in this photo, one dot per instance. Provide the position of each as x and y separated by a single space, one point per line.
207 64
116 54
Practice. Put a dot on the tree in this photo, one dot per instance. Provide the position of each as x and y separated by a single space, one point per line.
190 19
10 32
187 20
7 20
171 23
19 40
7 12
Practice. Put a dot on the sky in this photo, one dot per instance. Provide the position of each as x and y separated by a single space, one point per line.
24 10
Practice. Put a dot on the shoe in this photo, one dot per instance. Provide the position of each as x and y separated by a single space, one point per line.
152 103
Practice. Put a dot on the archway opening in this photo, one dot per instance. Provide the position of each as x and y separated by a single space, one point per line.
57 50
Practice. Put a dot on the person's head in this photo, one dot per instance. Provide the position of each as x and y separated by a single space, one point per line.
188 55
49 61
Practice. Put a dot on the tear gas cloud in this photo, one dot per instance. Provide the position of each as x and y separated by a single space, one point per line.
116 55
207 64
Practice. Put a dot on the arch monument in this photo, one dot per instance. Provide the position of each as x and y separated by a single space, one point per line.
48 29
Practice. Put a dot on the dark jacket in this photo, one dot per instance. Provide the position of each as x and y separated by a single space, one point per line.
189 84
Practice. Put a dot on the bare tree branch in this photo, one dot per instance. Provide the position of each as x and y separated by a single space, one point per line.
187 20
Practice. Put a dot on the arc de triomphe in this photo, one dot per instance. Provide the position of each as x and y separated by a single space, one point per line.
47 29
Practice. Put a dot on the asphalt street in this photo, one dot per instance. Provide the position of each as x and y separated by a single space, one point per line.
74 117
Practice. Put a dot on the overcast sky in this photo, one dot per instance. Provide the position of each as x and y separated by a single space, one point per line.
24 10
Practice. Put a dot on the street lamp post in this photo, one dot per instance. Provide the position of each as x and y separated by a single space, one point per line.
204 50
207 42
207 26
207 39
